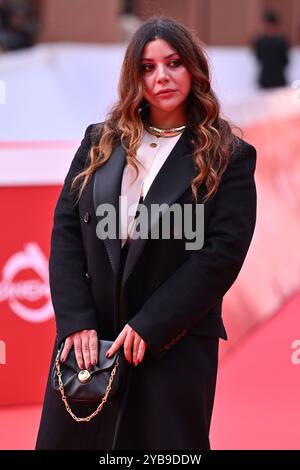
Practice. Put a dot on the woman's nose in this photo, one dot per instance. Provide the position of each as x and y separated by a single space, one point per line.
162 75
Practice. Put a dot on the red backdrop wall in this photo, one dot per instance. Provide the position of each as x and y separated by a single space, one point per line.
27 323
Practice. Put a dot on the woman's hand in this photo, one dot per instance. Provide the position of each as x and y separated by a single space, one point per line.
129 338
85 346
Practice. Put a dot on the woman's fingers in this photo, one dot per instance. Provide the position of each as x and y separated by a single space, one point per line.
141 351
93 343
85 345
134 345
66 349
78 351
139 348
128 345
117 343
125 338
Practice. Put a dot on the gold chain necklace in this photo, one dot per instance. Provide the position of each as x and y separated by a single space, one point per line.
172 132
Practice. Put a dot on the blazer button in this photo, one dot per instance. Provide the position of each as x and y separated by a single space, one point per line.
86 217
88 277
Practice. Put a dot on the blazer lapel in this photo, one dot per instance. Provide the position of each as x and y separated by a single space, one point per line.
172 180
106 190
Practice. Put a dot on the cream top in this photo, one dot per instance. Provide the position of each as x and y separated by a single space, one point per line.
152 153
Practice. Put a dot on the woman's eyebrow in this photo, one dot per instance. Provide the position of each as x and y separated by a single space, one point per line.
167 57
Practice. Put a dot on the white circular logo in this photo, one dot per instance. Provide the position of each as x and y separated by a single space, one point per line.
28 290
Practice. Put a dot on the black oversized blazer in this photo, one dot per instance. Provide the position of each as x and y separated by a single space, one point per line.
171 296
165 288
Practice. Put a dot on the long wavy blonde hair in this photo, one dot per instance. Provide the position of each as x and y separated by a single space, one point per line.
212 137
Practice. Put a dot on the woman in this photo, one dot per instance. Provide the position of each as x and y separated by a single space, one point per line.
157 299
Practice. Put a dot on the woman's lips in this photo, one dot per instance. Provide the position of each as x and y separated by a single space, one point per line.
166 94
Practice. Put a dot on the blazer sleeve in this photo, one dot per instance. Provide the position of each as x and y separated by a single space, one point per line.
71 297
207 274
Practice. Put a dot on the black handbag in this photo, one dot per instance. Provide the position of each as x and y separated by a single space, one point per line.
100 383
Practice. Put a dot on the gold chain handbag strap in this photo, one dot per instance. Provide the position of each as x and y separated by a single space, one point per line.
64 398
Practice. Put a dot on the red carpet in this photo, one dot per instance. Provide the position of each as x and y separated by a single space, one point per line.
18 426
257 399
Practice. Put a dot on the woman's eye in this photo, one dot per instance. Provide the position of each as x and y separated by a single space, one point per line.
147 67
176 63
173 64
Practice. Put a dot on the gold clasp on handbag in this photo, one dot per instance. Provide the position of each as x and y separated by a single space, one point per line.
84 376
